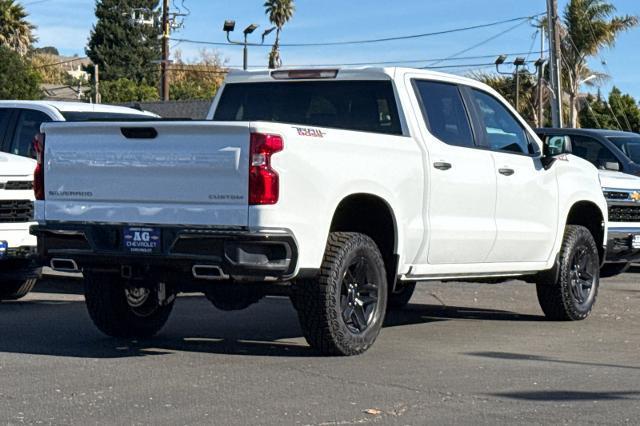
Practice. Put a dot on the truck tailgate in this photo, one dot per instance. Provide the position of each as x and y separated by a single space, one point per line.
191 173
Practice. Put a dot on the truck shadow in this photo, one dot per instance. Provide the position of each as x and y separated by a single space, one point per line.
59 327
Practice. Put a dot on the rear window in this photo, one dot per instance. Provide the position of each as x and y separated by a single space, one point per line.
103 116
367 106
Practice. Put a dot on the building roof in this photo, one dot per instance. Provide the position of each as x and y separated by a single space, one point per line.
190 110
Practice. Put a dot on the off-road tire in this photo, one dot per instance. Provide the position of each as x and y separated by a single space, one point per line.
110 312
609 270
318 301
557 299
400 298
14 289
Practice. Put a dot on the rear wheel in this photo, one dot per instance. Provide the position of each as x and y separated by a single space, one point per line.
342 311
122 308
15 289
574 293
612 269
17 278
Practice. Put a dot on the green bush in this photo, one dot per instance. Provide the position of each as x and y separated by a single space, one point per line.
125 90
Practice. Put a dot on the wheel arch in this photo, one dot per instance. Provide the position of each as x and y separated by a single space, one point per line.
371 215
589 215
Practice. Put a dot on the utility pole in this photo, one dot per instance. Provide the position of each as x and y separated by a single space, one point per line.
96 78
164 64
540 66
555 62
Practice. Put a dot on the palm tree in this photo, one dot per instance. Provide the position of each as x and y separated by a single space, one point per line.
589 27
15 31
279 12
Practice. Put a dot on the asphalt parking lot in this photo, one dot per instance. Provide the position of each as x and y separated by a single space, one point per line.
459 354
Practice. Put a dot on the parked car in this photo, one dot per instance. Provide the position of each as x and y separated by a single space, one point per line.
342 188
621 190
19 123
606 149
21 120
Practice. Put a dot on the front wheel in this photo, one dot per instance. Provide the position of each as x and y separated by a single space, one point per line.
341 311
127 309
574 293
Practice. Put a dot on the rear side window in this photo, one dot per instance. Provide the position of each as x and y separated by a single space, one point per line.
367 106
27 127
444 112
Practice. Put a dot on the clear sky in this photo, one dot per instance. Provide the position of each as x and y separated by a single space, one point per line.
66 25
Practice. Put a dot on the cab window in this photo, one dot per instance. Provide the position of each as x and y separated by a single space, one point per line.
501 130
28 125
5 119
594 152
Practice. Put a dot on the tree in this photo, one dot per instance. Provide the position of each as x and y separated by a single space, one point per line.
16 32
199 79
625 109
121 47
279 12
18 80
620 112
47 50
47 66
124 90
589 27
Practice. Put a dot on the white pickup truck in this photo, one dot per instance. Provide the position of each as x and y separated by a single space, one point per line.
19 122
339 187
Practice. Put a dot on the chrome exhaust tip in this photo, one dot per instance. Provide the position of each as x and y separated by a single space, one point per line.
64 265
208 272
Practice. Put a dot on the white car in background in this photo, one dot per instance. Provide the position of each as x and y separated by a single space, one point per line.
19 123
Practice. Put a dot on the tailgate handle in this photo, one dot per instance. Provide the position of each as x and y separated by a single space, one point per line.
139 132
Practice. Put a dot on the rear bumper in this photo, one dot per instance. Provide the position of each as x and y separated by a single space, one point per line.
620 245
237 253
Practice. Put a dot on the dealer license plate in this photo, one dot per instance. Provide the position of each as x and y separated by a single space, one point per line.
141 240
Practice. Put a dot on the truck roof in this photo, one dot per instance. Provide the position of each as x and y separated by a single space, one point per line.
348 73
586 132
74 107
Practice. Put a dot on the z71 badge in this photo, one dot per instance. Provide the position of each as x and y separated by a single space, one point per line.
311 132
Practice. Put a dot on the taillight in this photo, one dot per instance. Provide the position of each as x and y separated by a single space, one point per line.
264 182
38 174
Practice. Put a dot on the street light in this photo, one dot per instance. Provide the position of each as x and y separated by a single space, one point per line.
229 26
518 62
267 32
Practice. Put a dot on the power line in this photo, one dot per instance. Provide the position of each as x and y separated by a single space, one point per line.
62 62
370 41
485 41
608 71
393 62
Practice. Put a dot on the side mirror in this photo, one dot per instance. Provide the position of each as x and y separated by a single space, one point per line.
556 145
612 165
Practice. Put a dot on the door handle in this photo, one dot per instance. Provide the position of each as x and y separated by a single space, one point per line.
441 165
506 172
